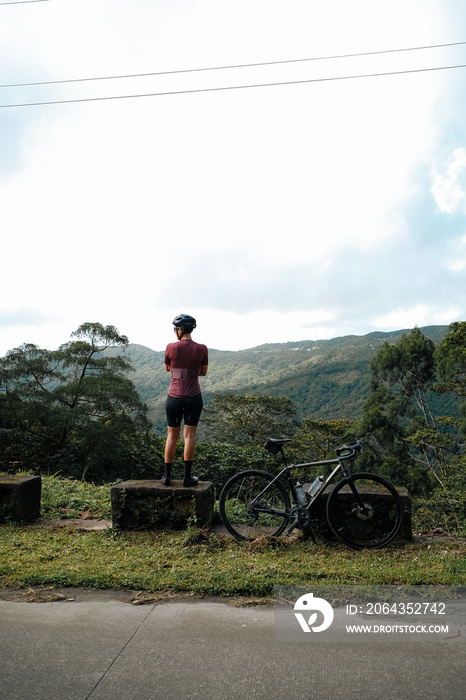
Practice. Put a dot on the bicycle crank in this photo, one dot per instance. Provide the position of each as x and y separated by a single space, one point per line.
299 517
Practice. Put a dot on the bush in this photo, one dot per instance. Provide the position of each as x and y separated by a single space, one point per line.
67 498
446 507
218 463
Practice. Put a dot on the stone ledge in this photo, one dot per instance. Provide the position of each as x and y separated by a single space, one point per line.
406 529
405 532
19 498
149 505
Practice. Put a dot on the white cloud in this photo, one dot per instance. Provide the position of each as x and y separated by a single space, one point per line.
287 203
449 183
227 331
457 250
420 315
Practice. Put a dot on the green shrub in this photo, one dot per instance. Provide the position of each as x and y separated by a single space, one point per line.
445 508
218 463
67 498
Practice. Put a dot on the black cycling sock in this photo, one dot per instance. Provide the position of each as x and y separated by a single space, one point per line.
188 479
167 474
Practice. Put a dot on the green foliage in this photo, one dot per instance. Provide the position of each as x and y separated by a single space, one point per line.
75 410
327 379
188 563
445 508
68 498
450 358
316 439
71 410
156 513
398 423
236 419
219 462
407 365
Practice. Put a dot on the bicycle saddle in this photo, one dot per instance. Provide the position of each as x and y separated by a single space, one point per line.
274 445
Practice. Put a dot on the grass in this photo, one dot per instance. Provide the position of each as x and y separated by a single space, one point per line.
68 498
196 563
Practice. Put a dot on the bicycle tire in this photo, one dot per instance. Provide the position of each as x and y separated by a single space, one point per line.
374 528
237 515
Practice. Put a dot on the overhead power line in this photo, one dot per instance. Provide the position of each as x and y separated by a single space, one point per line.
21 2
230 67
232 87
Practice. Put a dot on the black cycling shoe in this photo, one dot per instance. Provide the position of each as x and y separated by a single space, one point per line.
165 480
190 481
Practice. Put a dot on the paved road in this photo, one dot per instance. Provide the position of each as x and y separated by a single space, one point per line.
100 647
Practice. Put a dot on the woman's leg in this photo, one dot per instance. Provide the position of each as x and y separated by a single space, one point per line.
170 446
189 434
170 449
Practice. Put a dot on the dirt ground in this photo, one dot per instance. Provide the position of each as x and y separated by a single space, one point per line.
436 535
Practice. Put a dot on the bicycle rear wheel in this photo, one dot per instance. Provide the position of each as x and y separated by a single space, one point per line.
373 525
247 512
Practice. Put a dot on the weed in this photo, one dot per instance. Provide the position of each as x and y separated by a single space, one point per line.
68 498
197 563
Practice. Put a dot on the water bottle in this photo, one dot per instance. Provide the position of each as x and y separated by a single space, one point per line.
315 486
301 494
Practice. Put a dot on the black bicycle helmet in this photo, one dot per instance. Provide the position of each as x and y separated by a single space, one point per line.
185 322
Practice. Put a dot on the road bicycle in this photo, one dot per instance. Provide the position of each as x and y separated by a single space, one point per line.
363 510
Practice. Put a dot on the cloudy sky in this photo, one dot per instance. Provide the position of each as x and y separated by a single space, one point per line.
310 184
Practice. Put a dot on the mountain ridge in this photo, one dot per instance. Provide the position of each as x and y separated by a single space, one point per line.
326 378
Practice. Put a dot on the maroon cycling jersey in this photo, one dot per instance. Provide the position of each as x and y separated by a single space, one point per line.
185 359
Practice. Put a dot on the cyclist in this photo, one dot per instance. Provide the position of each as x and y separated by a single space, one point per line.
187 361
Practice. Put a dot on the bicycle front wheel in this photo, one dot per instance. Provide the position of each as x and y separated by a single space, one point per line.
366 513
250 505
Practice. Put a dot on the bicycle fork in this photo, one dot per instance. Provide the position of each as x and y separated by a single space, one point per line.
363 509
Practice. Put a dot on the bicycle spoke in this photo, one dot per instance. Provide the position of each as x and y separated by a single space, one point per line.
369 519
248 511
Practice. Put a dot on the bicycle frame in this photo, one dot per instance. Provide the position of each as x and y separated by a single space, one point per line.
361 509
339 461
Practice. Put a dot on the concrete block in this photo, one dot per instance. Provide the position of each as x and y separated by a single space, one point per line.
319 519
149 505
19 498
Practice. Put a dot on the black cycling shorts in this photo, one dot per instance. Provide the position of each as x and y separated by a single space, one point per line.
188 408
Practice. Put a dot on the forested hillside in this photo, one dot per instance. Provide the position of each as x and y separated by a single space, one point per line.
81 410
326 378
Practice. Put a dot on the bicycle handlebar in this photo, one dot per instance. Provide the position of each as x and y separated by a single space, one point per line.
352 448
275 445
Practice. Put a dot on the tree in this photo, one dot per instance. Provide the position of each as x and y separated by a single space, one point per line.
70 409
315 439
450 359
236 419
397 418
